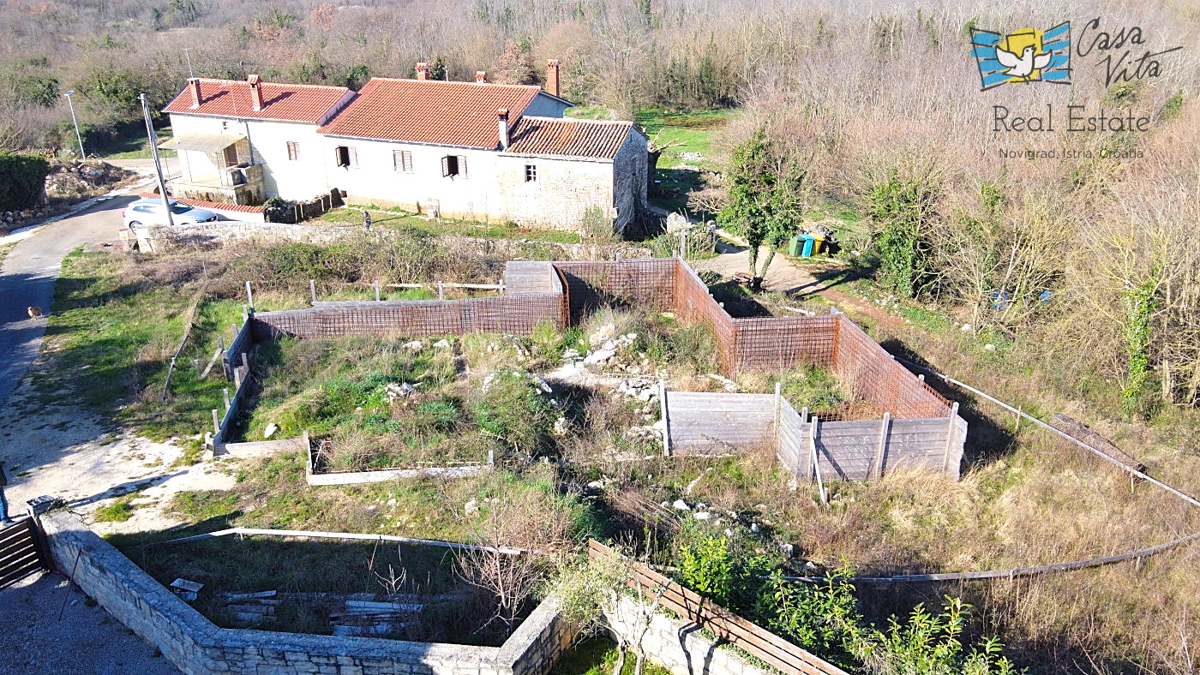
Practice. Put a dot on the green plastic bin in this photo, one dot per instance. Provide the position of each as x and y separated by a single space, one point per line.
802 245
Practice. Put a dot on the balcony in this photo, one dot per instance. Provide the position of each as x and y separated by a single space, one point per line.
231 185
216 168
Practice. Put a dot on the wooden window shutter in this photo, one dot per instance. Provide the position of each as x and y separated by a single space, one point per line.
446 166
353 158
406 158
462 166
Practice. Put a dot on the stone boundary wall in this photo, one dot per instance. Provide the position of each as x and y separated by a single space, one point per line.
243 230
676 645
197 646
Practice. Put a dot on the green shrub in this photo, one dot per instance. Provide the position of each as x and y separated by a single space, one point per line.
902 205
22 180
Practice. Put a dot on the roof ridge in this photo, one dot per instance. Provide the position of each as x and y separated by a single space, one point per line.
470 82
222 80
576 119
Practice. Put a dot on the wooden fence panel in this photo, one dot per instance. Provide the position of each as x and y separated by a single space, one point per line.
792 439
754 639
22 552
722 423
703 423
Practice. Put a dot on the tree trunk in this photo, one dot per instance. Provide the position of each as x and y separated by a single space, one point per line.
652 172
620 660
757 282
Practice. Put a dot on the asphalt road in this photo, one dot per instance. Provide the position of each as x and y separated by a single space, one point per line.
27 278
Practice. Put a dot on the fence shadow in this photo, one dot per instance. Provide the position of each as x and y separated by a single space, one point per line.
988 439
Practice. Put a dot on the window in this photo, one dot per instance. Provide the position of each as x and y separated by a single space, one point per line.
402 161
346 157
530 173
454 165
293 150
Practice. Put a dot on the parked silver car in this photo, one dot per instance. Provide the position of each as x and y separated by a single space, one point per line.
150 212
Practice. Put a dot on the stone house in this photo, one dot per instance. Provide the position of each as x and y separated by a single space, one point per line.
472 150
243 141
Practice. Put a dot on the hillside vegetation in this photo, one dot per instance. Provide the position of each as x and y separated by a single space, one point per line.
1059 283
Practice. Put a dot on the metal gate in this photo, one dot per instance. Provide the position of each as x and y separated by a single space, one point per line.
22 551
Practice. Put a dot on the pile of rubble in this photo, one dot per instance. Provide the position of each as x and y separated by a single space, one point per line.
79 180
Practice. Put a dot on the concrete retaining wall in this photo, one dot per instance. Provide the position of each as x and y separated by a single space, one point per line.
196 646
676 645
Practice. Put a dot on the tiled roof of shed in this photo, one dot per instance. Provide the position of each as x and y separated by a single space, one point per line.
430 111
201 204
288 102
568 137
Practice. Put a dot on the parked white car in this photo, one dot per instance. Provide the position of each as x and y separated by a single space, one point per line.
151 212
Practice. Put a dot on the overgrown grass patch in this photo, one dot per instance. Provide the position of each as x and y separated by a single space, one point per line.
407 222
113 332
118 511
392 404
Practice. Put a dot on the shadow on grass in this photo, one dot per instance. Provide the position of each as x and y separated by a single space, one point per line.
987 440
314 578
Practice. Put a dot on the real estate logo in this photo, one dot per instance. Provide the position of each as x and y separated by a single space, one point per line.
1023 56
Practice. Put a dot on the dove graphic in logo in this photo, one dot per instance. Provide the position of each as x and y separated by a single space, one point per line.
1023 56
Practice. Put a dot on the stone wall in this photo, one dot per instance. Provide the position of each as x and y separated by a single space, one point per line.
196 645
233 232
677 645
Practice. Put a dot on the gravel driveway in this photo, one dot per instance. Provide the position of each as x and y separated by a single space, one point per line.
87 641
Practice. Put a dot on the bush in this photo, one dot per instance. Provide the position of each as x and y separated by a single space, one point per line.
22 180
902 206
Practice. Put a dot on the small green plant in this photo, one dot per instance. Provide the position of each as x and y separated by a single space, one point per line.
1172 107
119 511
929 644
1140 304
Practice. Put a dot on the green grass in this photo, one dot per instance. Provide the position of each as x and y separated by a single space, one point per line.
135 145
119 511
598 656
4 251
692 131
689 134
113 333
402 220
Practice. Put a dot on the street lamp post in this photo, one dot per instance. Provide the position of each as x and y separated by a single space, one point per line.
76 123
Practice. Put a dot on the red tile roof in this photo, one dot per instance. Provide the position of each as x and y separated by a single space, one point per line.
201 204
231 98
568 137
432 111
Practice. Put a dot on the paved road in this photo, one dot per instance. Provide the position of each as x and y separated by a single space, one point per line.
27 278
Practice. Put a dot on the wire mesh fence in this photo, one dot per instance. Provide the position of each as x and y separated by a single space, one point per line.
877 382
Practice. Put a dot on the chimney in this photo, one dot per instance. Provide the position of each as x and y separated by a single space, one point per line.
422 71
481 77
194 85
552 78
256 91
502 118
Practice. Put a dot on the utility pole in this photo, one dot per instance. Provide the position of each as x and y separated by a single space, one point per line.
162 183
74 121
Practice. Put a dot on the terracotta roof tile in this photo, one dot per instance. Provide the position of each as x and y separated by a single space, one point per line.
231 98
201 204
568 137
433 111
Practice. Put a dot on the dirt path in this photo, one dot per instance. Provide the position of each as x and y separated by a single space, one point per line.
785 276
